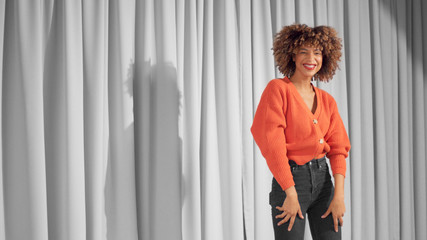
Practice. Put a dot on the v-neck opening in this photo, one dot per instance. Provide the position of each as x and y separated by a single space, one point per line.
301 100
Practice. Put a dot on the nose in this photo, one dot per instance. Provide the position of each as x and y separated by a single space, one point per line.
312 56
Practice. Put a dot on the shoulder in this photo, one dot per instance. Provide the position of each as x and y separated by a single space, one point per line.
278 84
326 97
327 100
276 91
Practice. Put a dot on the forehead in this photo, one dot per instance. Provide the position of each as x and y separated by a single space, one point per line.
309 47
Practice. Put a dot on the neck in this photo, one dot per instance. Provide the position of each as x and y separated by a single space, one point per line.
301 83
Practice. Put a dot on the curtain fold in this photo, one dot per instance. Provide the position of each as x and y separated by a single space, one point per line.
419 127
210 197
2 210
382 128
131 119
23 140
144 35
63 123
360 118
189 80
120 189
96 131
263 70
244 15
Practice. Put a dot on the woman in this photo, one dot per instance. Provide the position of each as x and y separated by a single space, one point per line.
295 126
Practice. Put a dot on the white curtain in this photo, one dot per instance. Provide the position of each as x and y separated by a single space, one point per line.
130 119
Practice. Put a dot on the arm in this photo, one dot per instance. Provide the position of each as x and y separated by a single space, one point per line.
290 208
338 140
339 186
337 206
340 145
268 130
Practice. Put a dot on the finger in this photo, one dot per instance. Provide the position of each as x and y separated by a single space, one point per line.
326 213
341 221
300 214
280 208
283 220
287 218
282 215
291 223
335 224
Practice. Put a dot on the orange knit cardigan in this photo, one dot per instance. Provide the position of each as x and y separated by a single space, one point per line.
284 128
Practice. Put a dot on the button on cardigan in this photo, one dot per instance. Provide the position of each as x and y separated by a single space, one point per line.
285 129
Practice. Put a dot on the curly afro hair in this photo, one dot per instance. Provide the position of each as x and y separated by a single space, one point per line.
290 38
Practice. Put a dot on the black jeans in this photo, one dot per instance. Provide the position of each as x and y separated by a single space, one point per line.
315 191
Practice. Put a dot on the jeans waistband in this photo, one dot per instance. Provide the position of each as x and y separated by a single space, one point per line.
314 161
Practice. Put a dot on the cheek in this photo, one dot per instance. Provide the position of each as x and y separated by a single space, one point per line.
320 61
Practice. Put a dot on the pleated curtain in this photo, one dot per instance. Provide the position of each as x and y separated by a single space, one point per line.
130 119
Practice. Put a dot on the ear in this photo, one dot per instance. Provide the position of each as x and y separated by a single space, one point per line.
293 57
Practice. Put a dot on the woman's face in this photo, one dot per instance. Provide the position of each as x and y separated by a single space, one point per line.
308 61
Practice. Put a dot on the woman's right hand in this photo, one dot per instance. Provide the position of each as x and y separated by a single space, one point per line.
290 208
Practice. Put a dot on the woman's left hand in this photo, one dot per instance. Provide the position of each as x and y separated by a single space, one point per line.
337 209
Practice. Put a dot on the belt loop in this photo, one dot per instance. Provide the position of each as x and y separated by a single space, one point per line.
318 162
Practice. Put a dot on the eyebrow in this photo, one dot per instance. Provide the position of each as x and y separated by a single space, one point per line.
306 49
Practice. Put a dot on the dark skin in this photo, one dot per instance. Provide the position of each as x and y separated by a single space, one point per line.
308 61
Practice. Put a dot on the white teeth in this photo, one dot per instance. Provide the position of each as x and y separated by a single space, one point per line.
309 65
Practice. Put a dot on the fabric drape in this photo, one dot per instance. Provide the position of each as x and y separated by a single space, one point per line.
131 119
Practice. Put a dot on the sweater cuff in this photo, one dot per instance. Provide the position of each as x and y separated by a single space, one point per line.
338 164
285 183
283 175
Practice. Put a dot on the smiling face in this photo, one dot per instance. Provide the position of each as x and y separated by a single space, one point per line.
308 61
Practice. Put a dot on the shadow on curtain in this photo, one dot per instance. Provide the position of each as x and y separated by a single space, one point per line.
130 119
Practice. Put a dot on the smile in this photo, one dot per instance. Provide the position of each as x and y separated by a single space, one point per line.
310 66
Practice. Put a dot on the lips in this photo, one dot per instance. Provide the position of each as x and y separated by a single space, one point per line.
310 66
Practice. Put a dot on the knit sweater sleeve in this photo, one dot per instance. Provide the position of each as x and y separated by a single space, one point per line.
338 140
268 130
